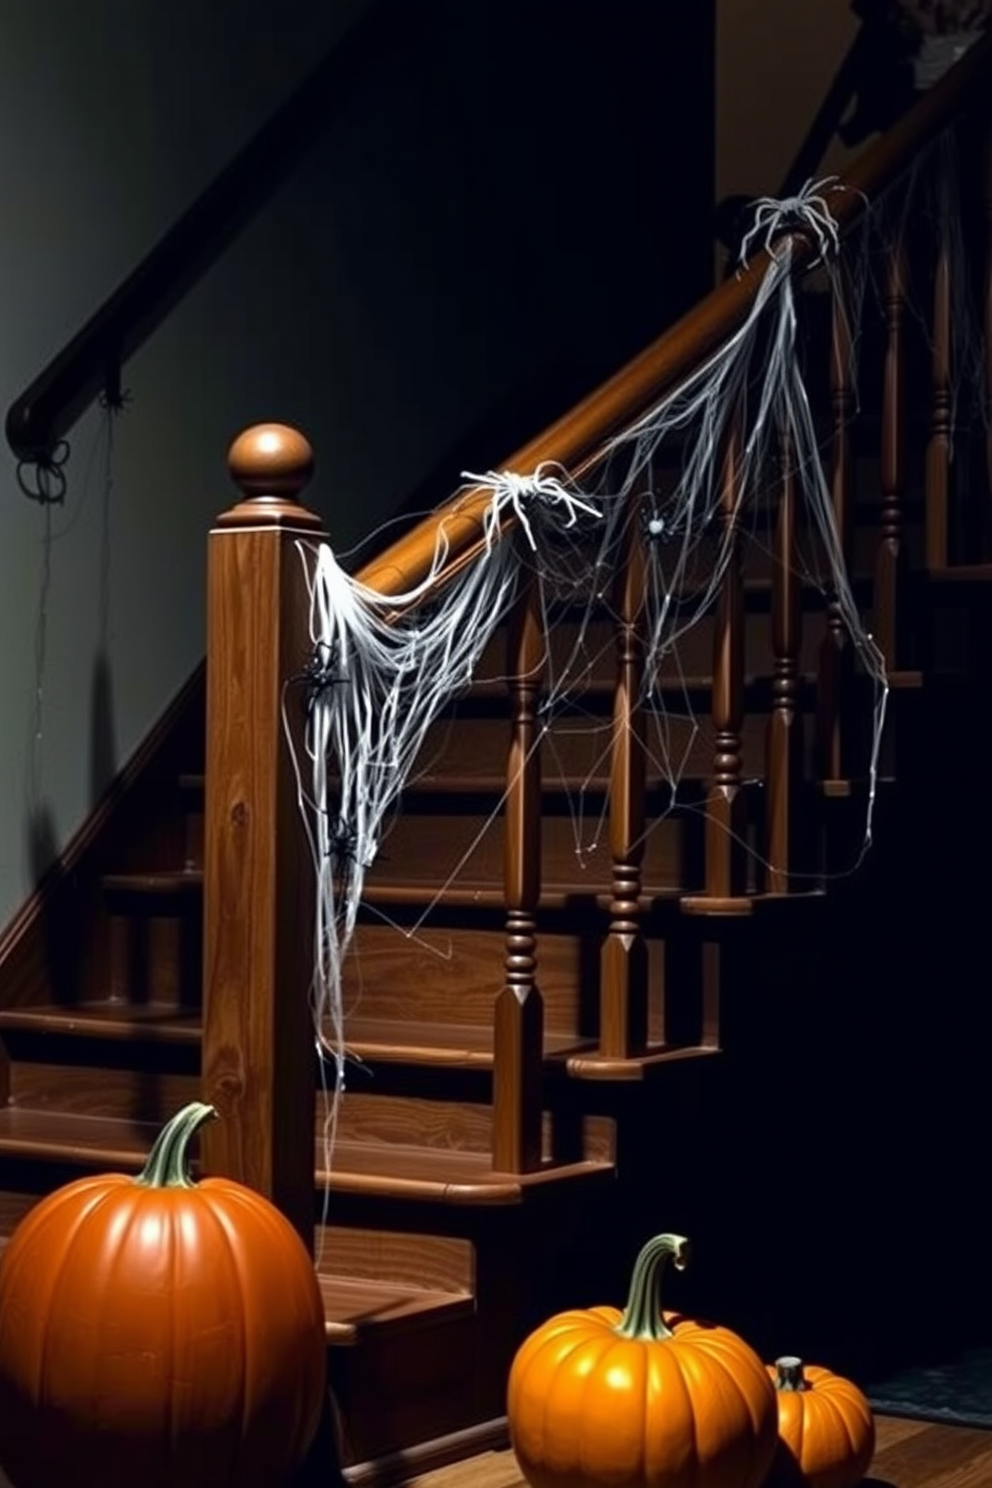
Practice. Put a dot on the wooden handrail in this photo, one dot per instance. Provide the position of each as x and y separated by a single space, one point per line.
91 362
577 439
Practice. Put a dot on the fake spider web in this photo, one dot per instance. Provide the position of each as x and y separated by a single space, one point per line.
385 669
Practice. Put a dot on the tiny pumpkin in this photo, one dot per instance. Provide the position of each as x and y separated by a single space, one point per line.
641 1397
157 1331
826 1428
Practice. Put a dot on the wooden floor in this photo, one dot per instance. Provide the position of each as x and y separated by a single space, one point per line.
910 1454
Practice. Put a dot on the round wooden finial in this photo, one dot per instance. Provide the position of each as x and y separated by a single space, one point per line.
270 464
270 460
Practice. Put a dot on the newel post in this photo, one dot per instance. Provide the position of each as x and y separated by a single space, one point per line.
258 1045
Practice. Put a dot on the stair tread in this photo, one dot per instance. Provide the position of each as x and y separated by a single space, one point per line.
385 1040
433 1175
353 1306
637 1067
961 573
464 894
373 1040
144 1022
161 881
443 1175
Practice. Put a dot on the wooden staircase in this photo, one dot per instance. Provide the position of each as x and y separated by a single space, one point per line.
478 1152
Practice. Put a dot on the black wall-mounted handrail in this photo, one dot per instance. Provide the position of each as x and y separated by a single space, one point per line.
90 363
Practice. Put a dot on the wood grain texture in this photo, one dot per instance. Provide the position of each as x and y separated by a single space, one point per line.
115 1019
909 1454
518 1013
389 1171
143 1095
623 1019
435 1263
726 806
257 1038
784 768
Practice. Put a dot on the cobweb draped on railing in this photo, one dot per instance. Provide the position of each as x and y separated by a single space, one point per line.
383 668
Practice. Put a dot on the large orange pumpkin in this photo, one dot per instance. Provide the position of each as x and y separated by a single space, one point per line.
825 1425
158 1332
642 1399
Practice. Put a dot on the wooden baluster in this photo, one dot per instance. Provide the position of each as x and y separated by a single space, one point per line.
624 964
258 1064
518 1052
938 468
726 807
784 745
891 554
835 668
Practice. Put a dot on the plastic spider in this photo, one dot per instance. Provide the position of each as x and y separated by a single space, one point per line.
807 209
654 528
510 489
343 846
319 676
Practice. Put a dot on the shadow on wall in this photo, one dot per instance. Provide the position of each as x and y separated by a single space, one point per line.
56 935
103 738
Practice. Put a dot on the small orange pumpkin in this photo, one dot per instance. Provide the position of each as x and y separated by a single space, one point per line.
826 1428
153 1330
641 1398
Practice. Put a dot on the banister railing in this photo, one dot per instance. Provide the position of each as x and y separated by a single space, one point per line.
258 1044
91 362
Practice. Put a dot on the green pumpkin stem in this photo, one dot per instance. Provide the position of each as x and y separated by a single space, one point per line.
790 1374
642 1316
168 1162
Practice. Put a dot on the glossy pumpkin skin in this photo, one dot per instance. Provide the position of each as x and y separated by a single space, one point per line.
158 1335
589 1407
826 1428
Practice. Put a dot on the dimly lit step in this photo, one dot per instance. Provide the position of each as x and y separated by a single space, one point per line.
165 892
138 1023
372 1169
354 1308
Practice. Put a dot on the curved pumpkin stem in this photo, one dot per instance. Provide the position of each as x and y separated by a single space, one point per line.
642 1316
168 1162
790 1374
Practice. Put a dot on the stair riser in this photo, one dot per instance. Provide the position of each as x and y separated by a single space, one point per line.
468 851
421 1381
441 1263
442 975
589 658
575 754
123 1094
157 958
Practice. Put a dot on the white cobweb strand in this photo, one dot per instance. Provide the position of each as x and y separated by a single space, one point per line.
383 669
772 407
381 674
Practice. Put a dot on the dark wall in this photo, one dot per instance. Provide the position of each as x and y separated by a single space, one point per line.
526 201
496 212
